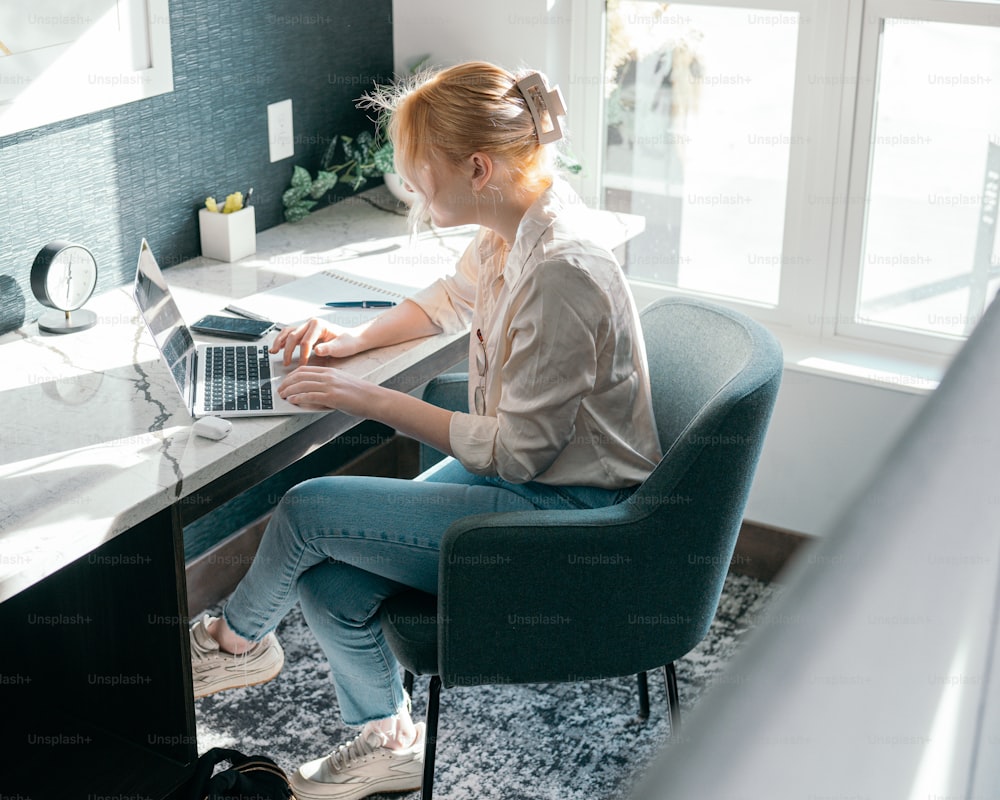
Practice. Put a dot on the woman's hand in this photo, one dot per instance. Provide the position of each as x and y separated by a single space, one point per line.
327 387
399 324
319 337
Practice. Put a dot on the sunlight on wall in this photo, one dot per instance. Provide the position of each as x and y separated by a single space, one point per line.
63 63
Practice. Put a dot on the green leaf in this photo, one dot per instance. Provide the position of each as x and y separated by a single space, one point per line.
299 211
366 157
568 163
331 153
346 142
365 143
354 153
383 159
419 63
293 195
301 179
324 182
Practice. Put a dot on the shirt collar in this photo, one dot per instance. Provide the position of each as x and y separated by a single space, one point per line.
536 220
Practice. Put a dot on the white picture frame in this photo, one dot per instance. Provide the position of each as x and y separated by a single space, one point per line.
61 59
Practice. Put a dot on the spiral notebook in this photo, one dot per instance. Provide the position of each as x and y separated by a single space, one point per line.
297 301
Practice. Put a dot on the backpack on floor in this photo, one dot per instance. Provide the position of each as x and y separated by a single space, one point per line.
247 776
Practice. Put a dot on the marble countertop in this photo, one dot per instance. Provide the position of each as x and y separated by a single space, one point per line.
96 438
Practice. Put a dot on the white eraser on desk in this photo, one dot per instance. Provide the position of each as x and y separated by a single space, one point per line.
212 427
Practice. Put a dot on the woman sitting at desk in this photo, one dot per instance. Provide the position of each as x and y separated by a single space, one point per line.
560 414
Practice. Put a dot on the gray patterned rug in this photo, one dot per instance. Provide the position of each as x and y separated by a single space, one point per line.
566 741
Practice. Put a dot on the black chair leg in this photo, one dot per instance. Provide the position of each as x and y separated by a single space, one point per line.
673 698
433 708
643 695
408 683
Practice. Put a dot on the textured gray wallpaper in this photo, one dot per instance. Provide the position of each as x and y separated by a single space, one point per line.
143 169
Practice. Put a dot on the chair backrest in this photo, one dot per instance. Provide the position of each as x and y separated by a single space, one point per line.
700 353
635 585
715 375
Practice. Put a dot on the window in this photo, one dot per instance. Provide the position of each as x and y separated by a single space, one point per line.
831 167
64 58
698 141
925 239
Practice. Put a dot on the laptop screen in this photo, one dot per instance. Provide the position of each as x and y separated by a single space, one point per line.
164 321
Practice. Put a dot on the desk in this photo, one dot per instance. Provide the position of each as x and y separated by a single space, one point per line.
100 472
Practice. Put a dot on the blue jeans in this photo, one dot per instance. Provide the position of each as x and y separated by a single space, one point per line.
340 545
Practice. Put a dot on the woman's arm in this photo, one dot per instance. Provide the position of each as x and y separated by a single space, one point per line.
327 387
444 305
399 324
448 304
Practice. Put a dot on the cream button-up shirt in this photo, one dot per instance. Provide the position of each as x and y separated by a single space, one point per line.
564 378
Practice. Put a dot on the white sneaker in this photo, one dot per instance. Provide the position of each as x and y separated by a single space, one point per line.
361 768
213 670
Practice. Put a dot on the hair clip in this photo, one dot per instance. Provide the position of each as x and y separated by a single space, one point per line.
545 106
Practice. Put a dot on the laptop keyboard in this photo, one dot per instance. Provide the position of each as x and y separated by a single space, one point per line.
237 378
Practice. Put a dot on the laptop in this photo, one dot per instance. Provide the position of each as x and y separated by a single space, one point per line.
219 380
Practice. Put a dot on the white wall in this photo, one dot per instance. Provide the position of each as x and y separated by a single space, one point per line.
828 435
513 33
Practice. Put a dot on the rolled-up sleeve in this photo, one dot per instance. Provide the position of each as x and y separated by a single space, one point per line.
549 365
472 440
449 301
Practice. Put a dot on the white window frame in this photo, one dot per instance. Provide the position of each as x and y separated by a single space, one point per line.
833 111
869 29
72 79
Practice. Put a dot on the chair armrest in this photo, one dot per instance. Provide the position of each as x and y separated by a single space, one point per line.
531 596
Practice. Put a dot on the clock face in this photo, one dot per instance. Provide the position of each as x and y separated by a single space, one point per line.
70 278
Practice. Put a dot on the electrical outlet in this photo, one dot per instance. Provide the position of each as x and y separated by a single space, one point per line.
279 130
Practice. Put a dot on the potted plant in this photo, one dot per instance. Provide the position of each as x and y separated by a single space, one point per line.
348 160
364 156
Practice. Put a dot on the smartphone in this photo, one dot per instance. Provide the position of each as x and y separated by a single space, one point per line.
232 327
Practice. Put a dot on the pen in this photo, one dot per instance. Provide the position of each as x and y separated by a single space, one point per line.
362 304
246 200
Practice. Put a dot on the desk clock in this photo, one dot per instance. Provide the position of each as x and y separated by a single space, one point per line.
63 277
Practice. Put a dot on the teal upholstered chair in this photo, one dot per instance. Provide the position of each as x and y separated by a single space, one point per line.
665 551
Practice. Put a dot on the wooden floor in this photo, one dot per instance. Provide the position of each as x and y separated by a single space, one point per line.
761 551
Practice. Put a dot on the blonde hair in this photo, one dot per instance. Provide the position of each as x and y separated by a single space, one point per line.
450 114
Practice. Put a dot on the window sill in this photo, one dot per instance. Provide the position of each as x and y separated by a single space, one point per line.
860 363
839 358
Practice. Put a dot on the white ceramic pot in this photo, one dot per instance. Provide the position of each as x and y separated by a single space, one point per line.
395 185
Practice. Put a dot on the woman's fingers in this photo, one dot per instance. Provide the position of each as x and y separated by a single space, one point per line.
304 337
340 346
312 381
309 400
326 387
